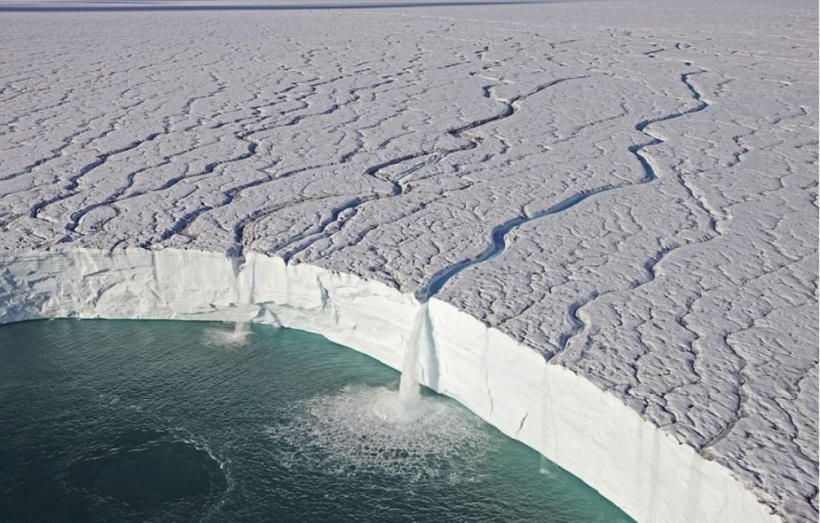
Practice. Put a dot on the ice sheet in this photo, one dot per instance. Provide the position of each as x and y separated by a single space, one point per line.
628 189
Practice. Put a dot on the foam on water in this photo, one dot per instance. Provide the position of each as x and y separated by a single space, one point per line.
228 338
372 430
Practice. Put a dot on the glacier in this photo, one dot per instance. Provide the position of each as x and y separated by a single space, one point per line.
601 215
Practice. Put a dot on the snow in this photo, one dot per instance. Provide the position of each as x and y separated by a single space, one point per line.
619 195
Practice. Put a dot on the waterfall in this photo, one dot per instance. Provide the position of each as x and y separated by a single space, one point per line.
409 386
241 329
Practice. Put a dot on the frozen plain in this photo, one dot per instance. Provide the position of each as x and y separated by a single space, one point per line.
628 189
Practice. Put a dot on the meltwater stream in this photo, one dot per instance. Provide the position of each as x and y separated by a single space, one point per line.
188 421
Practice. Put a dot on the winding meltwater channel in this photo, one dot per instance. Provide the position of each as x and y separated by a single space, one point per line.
109 420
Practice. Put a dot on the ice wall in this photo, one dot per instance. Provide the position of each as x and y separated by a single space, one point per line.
553 410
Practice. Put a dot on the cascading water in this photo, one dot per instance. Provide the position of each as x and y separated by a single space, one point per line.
379 430
229 338
409 385
241 329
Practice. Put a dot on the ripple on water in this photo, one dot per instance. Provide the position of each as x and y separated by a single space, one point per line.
146 471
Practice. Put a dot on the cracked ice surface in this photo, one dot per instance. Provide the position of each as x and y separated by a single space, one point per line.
630 190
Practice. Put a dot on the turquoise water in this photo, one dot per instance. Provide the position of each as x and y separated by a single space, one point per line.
188 421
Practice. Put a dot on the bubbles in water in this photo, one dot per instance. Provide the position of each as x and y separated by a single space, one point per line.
371 430
228 338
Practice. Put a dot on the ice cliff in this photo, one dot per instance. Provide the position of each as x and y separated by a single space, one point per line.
589 432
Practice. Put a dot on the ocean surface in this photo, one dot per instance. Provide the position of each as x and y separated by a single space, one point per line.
189 421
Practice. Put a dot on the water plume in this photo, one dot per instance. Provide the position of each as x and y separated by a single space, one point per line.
228 338
373 430
420 337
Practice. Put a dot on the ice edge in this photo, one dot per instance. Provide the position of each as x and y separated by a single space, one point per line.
591 433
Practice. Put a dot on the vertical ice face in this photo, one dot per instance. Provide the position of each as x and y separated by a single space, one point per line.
630 197
559 413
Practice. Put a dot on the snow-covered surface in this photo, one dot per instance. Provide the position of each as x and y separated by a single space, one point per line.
627 188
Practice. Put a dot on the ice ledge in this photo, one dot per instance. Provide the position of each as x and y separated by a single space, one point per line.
590 433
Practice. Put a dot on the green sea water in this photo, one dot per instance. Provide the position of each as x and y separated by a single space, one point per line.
188 421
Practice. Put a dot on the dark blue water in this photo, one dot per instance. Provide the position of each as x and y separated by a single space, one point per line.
187 421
